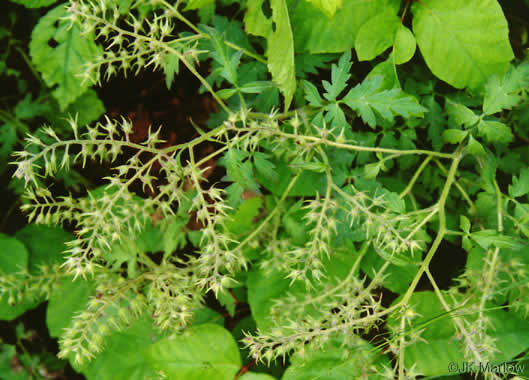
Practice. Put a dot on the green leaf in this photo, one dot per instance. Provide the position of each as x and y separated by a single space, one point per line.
61 65
376 35
335 116
125 356
454 136
228 59
28 109
265 167
399 276
313 166
395 203
488 238
256 376
387 70
309 63
494 131
170 68
226 93
46 245
366 97
510 334
316 33
464 223
497 97
474 147
239 171
88 107
67 299
242 221
311 94
372 170
280 43
520 185
265 287
339 77
174 236
437 345
8 139
461 114
434 120
255 87
227 300
461 46
197 4
338 359
328 7
502 93
204 351
35 3
404 46
14 259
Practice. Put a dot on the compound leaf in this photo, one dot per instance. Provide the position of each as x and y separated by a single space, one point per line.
365 98
520 185
339 77
502 93
494 131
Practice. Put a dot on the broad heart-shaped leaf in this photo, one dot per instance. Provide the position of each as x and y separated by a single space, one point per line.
41 245
376 35
462 42
68 298
316 33
203 352
61 65
439 347
46 245
327 6
34 3
280 43
337 360
13 259
404 45
125 354
365 98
